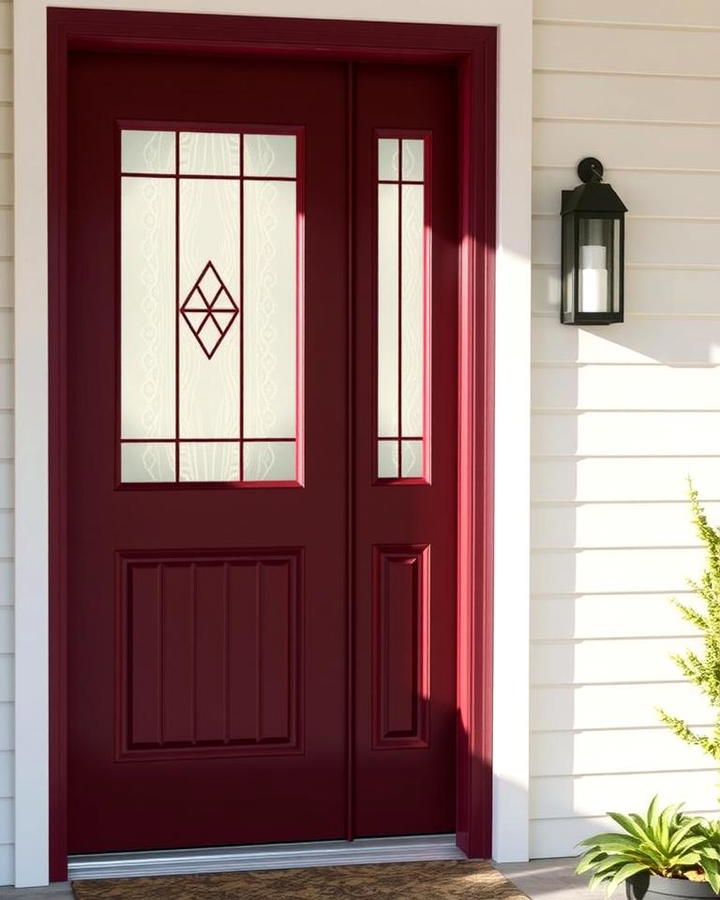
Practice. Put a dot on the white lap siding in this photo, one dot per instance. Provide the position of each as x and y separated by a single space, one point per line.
622 414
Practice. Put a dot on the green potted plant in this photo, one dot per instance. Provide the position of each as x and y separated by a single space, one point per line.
662 854
666 853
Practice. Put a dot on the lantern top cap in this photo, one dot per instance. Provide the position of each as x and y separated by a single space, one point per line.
593 195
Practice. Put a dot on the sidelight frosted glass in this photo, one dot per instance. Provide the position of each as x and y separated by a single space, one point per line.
151 152
402 363
413 160
388 159
147 340
388 273
209 357
412 459
388 459
142 462
269 155
270 316
210 461
207 153
269 461
413 309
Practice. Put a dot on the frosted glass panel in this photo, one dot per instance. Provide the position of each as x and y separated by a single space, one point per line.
388 273
270 155
209 342
388 159
147 339
413 160
210 461
209 154
270 300
413 308
412 461
148 462
269 461
388 459
402 308
209 307
148 151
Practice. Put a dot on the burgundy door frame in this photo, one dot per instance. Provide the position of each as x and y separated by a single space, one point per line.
472 51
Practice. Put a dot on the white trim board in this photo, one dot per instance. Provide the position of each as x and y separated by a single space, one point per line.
511 375
264 856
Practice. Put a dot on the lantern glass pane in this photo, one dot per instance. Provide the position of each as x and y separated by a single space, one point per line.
568 264
596 264
617 267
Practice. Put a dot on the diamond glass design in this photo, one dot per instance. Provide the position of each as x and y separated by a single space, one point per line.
209 310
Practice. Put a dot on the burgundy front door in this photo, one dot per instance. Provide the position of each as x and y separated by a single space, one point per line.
261 427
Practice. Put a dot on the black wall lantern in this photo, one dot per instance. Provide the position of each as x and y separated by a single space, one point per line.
593 250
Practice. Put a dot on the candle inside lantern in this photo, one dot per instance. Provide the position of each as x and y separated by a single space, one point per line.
593 278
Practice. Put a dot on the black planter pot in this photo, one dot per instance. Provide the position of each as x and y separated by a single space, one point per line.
651 887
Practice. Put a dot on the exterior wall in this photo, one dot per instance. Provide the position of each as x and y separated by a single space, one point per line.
622 414
6 445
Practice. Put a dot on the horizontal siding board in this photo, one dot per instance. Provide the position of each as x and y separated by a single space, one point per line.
595 616
626 388
613 571
648 292
674 13
6 483
648 242
633 50
608 661
6 130
669 341
623 97
7 711
6 436
671 194
6 77
626 433
593 795
629 145
7 863
6 820
559 837
6 774
615 525
603 706
6 284
640 479
7 584
6 181
6 679
6 26
606 752
7 634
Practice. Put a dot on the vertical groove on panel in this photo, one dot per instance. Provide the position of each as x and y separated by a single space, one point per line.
161 652
258 651
226 666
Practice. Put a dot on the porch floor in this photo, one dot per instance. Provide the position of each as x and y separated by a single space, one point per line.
545 879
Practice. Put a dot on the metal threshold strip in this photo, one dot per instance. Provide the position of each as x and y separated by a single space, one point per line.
412 848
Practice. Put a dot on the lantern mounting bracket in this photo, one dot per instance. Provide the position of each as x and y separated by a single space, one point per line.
590 170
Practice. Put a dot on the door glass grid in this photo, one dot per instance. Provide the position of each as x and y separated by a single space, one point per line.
402 308
209 361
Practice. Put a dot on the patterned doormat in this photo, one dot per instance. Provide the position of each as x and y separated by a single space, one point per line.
454 880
